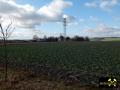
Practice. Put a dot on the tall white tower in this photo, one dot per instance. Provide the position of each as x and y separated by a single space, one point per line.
64 25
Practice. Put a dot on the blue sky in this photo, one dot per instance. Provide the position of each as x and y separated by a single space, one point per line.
93 18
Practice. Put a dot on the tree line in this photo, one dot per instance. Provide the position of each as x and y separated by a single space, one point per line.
60 38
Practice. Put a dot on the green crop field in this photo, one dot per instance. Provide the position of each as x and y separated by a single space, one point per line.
90 59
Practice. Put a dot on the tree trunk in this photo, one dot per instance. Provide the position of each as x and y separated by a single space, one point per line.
6 58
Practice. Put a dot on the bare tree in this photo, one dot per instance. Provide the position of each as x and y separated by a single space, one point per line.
5 33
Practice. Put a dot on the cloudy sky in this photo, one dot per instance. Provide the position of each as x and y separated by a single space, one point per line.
93 18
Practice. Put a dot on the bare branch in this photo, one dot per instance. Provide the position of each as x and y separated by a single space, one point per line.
1 37
11 31
8 28
2 31
5 33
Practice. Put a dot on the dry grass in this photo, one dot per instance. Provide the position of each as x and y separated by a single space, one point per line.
23 80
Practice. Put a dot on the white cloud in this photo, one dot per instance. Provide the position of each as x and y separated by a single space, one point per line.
116 18
94 19
103 4
54 9
90 4
102 30
108 4
27 16
81 20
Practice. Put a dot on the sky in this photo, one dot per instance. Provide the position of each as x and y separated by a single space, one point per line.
92 18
